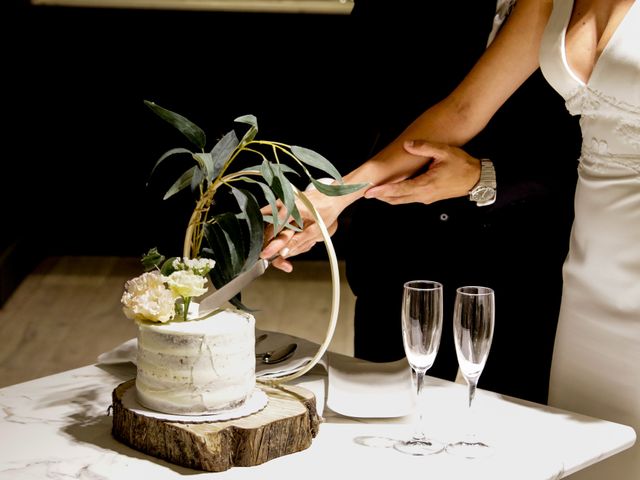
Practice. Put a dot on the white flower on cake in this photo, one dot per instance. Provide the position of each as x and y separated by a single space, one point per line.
147 298
165 291
199 266
186 284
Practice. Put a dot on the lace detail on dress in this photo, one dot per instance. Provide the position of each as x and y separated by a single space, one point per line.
596 158
624 120
631 133
587 101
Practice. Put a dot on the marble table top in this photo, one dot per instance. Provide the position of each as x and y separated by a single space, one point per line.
58 427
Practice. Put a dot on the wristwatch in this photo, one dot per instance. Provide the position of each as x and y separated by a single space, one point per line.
484 192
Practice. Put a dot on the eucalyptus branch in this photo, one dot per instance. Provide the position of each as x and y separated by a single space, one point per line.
195 232
235 175
228 163
270 142
275 152
257 152
211 172
286 150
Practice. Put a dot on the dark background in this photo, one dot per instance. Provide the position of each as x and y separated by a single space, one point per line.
78 143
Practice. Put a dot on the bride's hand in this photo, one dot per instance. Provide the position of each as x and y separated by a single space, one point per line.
289 243
451 173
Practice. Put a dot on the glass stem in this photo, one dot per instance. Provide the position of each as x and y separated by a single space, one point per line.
471 435
419 426
472 391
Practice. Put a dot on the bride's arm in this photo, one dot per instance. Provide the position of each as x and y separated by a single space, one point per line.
506 64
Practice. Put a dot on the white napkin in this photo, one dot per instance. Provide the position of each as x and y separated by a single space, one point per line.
127 352
359 388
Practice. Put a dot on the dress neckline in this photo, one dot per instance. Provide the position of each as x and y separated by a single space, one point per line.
611 40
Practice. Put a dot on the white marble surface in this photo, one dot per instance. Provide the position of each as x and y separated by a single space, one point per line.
57 427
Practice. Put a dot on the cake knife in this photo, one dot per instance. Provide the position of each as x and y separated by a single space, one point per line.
216 299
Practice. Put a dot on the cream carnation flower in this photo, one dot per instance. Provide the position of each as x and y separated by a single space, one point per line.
147 298
186 284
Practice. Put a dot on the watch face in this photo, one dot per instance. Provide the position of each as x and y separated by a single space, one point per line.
483 194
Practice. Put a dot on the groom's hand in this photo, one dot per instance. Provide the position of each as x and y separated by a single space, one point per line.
451 173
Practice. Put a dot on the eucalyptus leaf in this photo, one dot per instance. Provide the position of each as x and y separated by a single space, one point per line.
271 218
196 179
253 217
295 213
221 153
217 275
189 129
217 250
248 119
284 193
337 190
288 195
285 168
224 247
249 136
206 163
183 182
152 259
167 154
221 248
316 160
233 234
269 196
289 226
253 129
266 171
167 267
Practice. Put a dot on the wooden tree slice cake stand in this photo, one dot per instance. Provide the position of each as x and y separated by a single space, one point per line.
286 425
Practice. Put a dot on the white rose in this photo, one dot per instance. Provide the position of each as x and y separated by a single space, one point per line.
147 298
186 284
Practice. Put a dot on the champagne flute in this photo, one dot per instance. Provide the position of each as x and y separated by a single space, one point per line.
473 323
421 331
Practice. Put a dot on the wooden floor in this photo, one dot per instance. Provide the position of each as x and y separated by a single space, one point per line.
68 311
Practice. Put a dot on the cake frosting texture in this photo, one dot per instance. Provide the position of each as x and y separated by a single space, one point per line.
197 367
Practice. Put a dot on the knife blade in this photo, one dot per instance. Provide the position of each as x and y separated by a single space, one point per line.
216 299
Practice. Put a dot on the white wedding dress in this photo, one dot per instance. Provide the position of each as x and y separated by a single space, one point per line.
596 362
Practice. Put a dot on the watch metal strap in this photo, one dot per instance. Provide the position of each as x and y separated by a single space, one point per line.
487 173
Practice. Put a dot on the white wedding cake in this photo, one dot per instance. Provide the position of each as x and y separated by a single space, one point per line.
199 366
